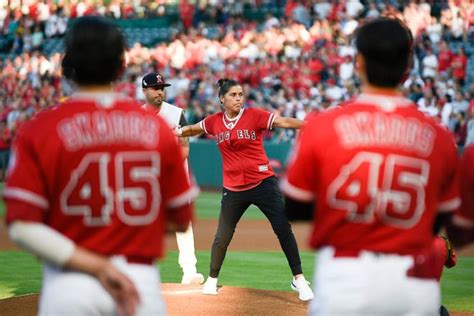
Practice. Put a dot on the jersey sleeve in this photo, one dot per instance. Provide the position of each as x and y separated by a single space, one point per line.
25 192
175 186
300 180
265 119
449 198
207 124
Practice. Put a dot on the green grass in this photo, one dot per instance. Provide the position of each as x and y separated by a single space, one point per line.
457 285
20 274
208 206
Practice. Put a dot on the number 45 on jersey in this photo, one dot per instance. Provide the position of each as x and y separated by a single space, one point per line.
389 186
126 182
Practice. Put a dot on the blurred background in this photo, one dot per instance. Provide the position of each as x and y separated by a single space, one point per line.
292 57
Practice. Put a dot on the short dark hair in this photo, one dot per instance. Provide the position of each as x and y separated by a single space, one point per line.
94 51
386 45
225 84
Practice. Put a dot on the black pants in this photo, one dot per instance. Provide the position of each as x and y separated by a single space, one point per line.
267 197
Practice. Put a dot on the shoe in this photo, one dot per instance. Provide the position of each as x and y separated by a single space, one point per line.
301 286
196 278
443 311
210 287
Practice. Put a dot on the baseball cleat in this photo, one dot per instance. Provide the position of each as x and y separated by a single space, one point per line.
210 287
196 278
301 286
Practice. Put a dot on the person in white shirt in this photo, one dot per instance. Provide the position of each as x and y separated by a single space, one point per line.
346 69
153 86
430 64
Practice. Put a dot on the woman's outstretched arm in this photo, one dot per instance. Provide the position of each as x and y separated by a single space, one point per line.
287 122
189 130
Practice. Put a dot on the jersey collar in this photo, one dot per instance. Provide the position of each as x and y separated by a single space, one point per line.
231 123
386 102
103 99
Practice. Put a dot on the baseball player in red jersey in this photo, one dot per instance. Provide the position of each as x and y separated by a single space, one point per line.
248 178
380 172
463 219
153 86
93 185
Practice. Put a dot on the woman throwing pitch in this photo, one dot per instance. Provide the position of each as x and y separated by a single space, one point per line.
248 178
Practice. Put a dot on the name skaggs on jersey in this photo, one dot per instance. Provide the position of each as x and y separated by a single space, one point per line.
241 134
385 130
108 128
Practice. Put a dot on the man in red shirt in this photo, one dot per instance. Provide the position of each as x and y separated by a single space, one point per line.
93 185
459 64
248 178
445 56
380 172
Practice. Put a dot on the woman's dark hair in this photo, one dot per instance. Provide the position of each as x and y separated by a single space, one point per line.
386 45
225 84
94 51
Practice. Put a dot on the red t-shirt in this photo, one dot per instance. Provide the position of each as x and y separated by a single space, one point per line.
444 59
103 172
460 71
245 163
379 171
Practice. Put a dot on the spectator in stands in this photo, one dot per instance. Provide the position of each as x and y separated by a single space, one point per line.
321 8
37 38
435 31
430 64
242 48
445 57
428 103
460 104
459 64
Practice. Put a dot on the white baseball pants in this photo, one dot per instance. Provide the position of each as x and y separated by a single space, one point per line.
370 284
73 293
187 256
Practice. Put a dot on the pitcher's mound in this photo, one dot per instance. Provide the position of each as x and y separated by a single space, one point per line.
188 300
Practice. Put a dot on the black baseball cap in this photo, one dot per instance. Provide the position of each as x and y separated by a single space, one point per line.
153 79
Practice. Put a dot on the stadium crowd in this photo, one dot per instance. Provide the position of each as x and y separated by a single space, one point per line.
294 64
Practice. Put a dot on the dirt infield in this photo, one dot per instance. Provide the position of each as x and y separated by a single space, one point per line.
187 300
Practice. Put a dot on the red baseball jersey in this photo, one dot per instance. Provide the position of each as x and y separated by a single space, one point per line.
379 171
103 172
464 216
245 163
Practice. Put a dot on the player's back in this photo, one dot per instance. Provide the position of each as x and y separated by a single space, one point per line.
384 170
94 165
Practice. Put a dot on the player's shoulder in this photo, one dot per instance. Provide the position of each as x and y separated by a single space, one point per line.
327 114
41 120
441 130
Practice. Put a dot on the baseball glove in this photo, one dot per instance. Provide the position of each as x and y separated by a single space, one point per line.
450 253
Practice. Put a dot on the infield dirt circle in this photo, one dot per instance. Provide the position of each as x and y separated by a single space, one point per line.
188 300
